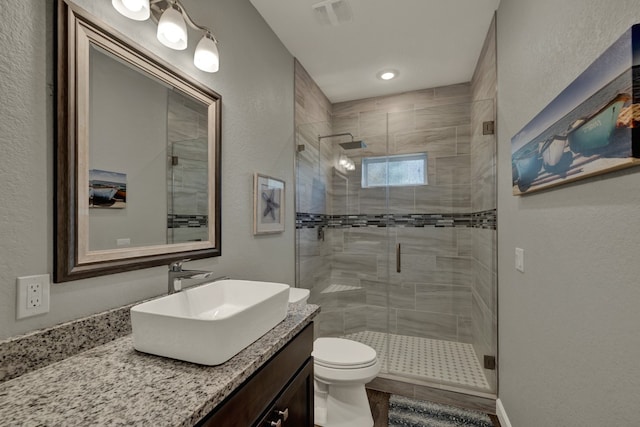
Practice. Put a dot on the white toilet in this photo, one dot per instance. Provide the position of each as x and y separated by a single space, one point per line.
341 369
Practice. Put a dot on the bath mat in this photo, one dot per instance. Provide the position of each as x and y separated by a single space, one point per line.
406 412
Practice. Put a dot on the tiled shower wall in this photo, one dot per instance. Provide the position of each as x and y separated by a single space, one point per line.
431 296
312 118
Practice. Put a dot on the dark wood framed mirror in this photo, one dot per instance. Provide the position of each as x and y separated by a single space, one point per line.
137 155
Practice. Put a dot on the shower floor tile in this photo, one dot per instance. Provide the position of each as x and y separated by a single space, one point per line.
447 362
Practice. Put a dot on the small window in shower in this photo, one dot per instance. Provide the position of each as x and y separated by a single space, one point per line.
404 169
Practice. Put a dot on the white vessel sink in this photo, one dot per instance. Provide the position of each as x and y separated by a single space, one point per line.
209 324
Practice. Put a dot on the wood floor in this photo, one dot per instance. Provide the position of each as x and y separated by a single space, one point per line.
379 402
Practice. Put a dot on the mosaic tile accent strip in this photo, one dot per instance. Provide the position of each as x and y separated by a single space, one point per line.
447 362
485 219
339 288
187 221
309 220
37 349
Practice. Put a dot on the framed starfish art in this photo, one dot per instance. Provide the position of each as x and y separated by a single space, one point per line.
268 205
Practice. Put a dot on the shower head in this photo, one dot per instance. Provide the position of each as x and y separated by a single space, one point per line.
353 145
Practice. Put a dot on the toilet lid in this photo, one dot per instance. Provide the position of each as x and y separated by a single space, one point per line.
342 353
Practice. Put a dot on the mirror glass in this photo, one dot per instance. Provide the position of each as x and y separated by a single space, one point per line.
147 141
138 156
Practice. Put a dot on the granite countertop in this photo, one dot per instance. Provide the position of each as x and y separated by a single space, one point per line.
113 384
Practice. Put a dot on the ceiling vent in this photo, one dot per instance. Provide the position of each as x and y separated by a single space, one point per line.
332 12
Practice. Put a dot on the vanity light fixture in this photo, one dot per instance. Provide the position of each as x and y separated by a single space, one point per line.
206 57
172 30
172 20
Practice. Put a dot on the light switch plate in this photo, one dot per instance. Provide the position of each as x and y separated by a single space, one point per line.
520 259
32 295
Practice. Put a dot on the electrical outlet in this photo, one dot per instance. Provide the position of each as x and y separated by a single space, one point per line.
32 296
123 242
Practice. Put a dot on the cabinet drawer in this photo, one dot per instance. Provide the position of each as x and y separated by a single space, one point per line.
294 407
251 400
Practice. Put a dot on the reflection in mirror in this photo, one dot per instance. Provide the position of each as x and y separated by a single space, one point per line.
187 172
138 156
141 131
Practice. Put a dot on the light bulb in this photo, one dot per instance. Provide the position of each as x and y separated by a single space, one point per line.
132 5
172 30
133 9
206 57
387 74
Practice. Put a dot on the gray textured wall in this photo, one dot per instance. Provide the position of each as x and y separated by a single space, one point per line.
255 81
569 340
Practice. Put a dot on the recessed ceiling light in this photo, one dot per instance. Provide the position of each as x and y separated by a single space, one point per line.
387 74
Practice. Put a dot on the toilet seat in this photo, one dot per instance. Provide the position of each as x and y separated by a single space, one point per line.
340 353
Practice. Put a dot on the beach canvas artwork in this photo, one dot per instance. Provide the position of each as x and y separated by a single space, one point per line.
107 189
591 127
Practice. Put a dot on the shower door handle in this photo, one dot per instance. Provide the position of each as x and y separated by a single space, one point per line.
398 258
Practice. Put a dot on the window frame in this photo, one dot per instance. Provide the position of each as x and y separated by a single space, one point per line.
366 161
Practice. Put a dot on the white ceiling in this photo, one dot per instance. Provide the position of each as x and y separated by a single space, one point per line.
430 42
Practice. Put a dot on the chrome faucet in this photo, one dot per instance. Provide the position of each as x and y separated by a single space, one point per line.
177 274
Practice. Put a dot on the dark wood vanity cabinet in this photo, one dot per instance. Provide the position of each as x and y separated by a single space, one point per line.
279 394
292 407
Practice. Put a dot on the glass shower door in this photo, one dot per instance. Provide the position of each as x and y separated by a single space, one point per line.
187 170
341 254
188 201
442 273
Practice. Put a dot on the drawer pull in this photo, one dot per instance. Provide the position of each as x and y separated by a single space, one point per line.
276 423
284 414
